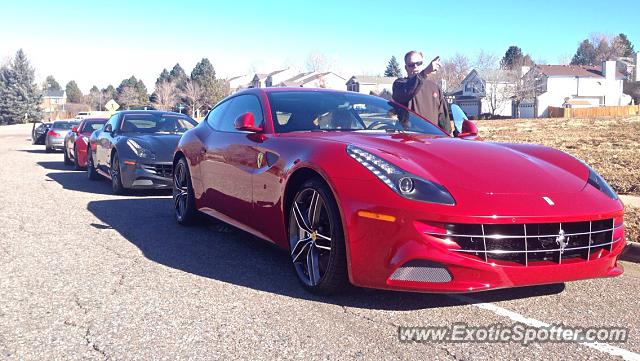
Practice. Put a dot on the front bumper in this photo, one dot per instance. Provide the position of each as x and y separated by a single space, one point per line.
386 234
146 175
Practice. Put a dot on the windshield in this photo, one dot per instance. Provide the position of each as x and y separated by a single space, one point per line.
156 123
324 111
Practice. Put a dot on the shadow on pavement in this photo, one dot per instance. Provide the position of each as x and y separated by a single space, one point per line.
53 165
37 151
78 181
224 253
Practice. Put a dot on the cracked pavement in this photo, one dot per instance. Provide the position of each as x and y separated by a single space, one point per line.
88 275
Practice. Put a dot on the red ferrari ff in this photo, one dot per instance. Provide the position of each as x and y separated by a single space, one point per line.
359 189
75 142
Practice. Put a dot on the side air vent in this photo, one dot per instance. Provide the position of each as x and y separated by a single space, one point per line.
422 271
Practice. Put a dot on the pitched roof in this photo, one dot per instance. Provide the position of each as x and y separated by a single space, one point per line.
366 79
582 71
299 77
318 76
53 93
276 72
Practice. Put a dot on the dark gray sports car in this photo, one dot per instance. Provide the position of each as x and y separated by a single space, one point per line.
135 149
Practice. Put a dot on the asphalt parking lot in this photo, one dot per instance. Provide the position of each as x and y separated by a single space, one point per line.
88 275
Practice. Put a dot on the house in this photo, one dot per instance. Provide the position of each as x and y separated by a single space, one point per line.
486 91
270 79
327 80
370 84
572 86
240 82
54 100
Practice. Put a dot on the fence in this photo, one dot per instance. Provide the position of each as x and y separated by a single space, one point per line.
594 112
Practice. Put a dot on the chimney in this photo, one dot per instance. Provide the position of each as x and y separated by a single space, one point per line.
609 69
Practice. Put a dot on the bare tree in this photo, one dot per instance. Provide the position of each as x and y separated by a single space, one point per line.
319 62
128 96
485 60
500 88
166 95
452 72
193 95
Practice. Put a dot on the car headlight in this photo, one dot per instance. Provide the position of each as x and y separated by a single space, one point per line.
405 184
141 151
597 181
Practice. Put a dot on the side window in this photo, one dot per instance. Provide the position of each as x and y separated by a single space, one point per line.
215 115
113 121
238 106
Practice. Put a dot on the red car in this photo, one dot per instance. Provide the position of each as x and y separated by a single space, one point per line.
75 142
361 190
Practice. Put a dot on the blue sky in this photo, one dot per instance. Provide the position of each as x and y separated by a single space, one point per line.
104 42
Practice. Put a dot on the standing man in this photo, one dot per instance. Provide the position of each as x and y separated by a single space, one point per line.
420 94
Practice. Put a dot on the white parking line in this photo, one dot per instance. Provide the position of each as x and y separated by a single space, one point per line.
600 346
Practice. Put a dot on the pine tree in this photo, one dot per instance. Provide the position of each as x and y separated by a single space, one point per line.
585 55
205 75
20 96
512 58
164 76
109 93
393 68
178 76
131 92
74 95
51 84
622 46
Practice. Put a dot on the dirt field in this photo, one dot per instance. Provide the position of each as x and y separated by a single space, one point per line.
610 145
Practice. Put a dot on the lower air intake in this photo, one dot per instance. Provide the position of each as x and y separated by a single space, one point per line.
422 271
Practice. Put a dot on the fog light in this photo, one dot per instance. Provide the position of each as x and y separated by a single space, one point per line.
406 185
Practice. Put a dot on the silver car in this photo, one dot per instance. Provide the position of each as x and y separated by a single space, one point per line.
56 134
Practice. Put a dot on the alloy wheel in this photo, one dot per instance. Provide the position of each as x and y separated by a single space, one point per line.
310 230
180 190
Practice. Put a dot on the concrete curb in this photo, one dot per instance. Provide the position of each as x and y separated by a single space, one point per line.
631 252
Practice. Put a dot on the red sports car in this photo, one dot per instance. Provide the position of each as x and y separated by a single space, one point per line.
361 190
75 142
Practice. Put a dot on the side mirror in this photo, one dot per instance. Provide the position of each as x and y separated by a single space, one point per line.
74 129
469 129
458 117
246 122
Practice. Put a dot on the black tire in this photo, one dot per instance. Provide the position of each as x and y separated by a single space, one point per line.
116 180
316 239
67 160
76 165
48 149
91 168
184 201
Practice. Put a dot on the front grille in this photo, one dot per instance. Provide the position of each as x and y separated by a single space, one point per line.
526 243
163 170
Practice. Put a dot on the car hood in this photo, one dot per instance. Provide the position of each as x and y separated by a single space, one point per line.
487 167
163 145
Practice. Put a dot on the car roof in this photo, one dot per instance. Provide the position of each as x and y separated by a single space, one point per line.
293 89
155 112
66 121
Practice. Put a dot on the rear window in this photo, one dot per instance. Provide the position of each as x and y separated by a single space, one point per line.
91 126
63 125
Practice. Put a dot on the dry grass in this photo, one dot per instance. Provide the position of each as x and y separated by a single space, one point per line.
610 145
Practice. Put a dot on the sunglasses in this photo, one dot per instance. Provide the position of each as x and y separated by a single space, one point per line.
413 65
